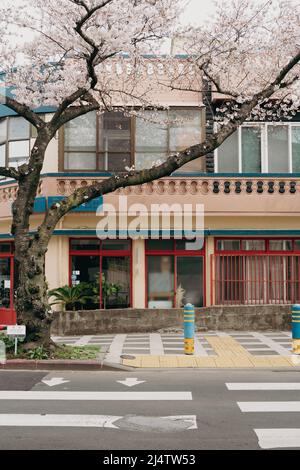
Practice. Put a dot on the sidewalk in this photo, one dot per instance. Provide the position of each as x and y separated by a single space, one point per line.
212 349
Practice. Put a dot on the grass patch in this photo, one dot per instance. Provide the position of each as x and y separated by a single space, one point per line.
76 352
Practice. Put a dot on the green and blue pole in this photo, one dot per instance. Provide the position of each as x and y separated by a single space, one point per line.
189 329
296 328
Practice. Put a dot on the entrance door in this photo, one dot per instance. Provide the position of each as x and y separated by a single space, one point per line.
189 276
7 314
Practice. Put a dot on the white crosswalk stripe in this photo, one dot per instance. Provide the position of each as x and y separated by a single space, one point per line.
170 423
278 438
95 396
271 438
263 386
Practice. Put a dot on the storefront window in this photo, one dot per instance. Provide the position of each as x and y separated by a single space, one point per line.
115 282
5 283
104 271
175 273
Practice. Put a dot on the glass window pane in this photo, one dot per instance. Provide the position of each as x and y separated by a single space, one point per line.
280 245
80 134
228 245
296 148
251 149
190 279
188 245
228 155
85 270
187 130
18 128
19 149
146 160
160 245
297 245
2 155
85 245
116 245
116 161
160 281
5 247
253 245
5 283
114 141
151 136
115 282
278 149
80 161
3 130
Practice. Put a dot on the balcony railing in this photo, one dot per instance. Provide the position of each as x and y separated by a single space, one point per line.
218 193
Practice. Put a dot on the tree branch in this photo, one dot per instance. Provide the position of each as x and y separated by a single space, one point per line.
9 172
24 111
133 178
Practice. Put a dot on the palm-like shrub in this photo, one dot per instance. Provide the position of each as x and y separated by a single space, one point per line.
70 296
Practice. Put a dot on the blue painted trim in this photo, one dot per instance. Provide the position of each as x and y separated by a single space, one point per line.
91 206
207 232
40 205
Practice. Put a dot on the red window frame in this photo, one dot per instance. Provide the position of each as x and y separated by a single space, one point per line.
8 315
267 249
176 253
100 253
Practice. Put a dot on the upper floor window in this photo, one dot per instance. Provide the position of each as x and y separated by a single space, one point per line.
263 148
112 141
15 135
94 142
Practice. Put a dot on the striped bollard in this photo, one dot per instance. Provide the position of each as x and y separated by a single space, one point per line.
189 328
296 328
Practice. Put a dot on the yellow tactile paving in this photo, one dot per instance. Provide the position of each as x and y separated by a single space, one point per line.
229 354
226 345
205 361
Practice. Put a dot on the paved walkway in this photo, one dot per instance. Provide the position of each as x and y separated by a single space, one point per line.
212 349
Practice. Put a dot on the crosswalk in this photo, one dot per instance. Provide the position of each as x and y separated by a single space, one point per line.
273 437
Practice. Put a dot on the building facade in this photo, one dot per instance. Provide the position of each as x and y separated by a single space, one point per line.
250 187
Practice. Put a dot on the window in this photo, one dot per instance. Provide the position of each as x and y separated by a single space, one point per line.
105 269
6 276
273 148
262 271
175 270
15 135
156 141
93 142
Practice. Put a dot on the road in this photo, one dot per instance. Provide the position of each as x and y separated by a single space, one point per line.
158 410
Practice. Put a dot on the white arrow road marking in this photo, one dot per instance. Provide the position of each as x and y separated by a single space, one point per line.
269 406
131 382
131 423
95 396
263 386
55 381
274 438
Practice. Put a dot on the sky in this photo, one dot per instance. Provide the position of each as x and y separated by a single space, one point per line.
198 11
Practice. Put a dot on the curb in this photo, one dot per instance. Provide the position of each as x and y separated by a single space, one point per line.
60 364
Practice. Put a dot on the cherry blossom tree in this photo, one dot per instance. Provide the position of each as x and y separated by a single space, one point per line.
60 53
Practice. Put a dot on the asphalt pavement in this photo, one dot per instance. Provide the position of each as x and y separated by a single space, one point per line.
161 409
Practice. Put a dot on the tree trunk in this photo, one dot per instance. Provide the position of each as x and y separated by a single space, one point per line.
31 301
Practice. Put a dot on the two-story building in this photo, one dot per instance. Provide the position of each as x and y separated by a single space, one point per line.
249 188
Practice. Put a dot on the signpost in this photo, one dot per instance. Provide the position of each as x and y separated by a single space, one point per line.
18 332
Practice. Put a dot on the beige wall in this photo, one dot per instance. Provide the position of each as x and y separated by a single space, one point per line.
138 273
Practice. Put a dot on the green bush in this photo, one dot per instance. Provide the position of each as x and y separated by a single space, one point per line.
38 353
